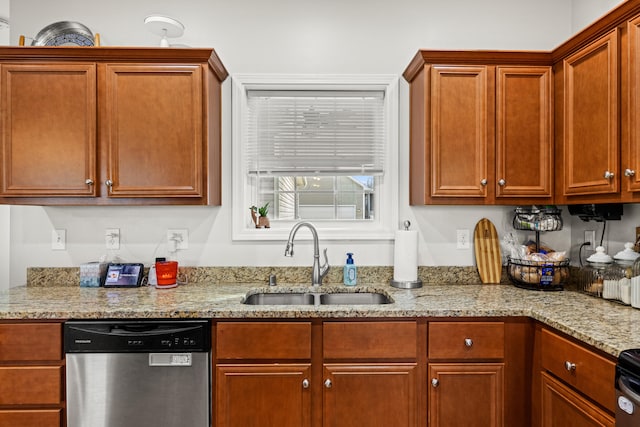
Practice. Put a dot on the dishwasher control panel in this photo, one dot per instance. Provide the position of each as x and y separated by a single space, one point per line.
137 336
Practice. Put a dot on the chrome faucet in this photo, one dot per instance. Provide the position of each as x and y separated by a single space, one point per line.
318 272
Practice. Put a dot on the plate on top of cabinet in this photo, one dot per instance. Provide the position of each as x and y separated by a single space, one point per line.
64 33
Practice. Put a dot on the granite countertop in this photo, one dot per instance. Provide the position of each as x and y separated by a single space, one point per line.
605 325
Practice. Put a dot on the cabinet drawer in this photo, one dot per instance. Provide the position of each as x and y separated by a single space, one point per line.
30 418
587 371
466 340
30 385
269 340
370 340
30 341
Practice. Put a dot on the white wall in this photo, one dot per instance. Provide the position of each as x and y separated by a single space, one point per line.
585 12
292 36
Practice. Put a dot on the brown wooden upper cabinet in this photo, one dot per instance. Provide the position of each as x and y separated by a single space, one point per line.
481 127
95 126
588 140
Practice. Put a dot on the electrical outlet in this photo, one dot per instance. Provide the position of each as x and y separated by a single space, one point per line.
462 239
112 238
178 239
59 239
590 236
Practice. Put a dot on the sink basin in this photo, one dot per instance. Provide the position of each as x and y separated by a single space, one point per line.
280 299
354 298
316 298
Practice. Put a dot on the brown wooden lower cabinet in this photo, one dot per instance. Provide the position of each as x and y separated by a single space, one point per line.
563 407
466 394
263 395
31 418
370 395
31 374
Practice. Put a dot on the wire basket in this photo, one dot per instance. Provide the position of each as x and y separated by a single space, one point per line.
538 275
537 219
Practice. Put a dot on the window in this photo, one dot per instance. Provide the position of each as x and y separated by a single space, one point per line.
322 149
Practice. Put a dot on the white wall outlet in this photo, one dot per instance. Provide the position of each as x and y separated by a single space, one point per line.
462 239
178 239
112 238
590 236
59 239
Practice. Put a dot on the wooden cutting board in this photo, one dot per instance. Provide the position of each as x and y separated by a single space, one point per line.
487 247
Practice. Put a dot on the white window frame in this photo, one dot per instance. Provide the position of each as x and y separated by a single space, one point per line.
386 200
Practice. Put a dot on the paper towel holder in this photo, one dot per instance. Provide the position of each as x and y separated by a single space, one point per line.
412 284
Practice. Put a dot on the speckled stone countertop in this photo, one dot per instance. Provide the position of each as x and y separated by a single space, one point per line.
605 325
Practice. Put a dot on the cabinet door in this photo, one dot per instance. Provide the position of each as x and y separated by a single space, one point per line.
563 407
48 114
153 130
524 147
591 148
263 395
631 164
460 140
371 395
466 394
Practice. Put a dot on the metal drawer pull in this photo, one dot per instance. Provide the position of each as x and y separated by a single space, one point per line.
435 382
88 181
502 183
108 183
629 172
305 383
328 383
468 342
483 182
608 175
569 366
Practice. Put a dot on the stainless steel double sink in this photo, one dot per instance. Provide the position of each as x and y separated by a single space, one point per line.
316 298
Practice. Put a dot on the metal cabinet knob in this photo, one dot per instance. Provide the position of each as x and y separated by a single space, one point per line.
108 183
468 342
483 182
305 383
328 383
569 366
629 172
502 182
88 181
435 382
608 175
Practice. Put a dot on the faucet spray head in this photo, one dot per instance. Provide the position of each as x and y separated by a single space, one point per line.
288 251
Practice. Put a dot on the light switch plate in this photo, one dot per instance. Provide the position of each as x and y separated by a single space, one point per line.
178 239
59 239
112 238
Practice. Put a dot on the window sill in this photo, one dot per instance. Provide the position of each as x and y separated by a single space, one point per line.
324 233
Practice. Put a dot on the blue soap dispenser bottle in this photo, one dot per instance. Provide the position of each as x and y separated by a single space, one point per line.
350 271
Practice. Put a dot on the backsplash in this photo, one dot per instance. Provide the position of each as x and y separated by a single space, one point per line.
70 276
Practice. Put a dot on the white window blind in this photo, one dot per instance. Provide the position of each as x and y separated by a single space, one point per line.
315 132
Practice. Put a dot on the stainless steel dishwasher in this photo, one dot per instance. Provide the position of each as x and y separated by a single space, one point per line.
138 373
628 389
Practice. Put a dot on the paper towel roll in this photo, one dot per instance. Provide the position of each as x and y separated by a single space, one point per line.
405 256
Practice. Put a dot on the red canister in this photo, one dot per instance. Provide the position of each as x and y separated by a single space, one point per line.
167 274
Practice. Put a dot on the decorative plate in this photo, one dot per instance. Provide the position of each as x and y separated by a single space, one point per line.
64 33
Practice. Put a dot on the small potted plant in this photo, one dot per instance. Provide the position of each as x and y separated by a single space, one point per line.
263 220
259 216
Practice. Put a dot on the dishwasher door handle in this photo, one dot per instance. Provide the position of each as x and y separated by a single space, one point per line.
627 390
